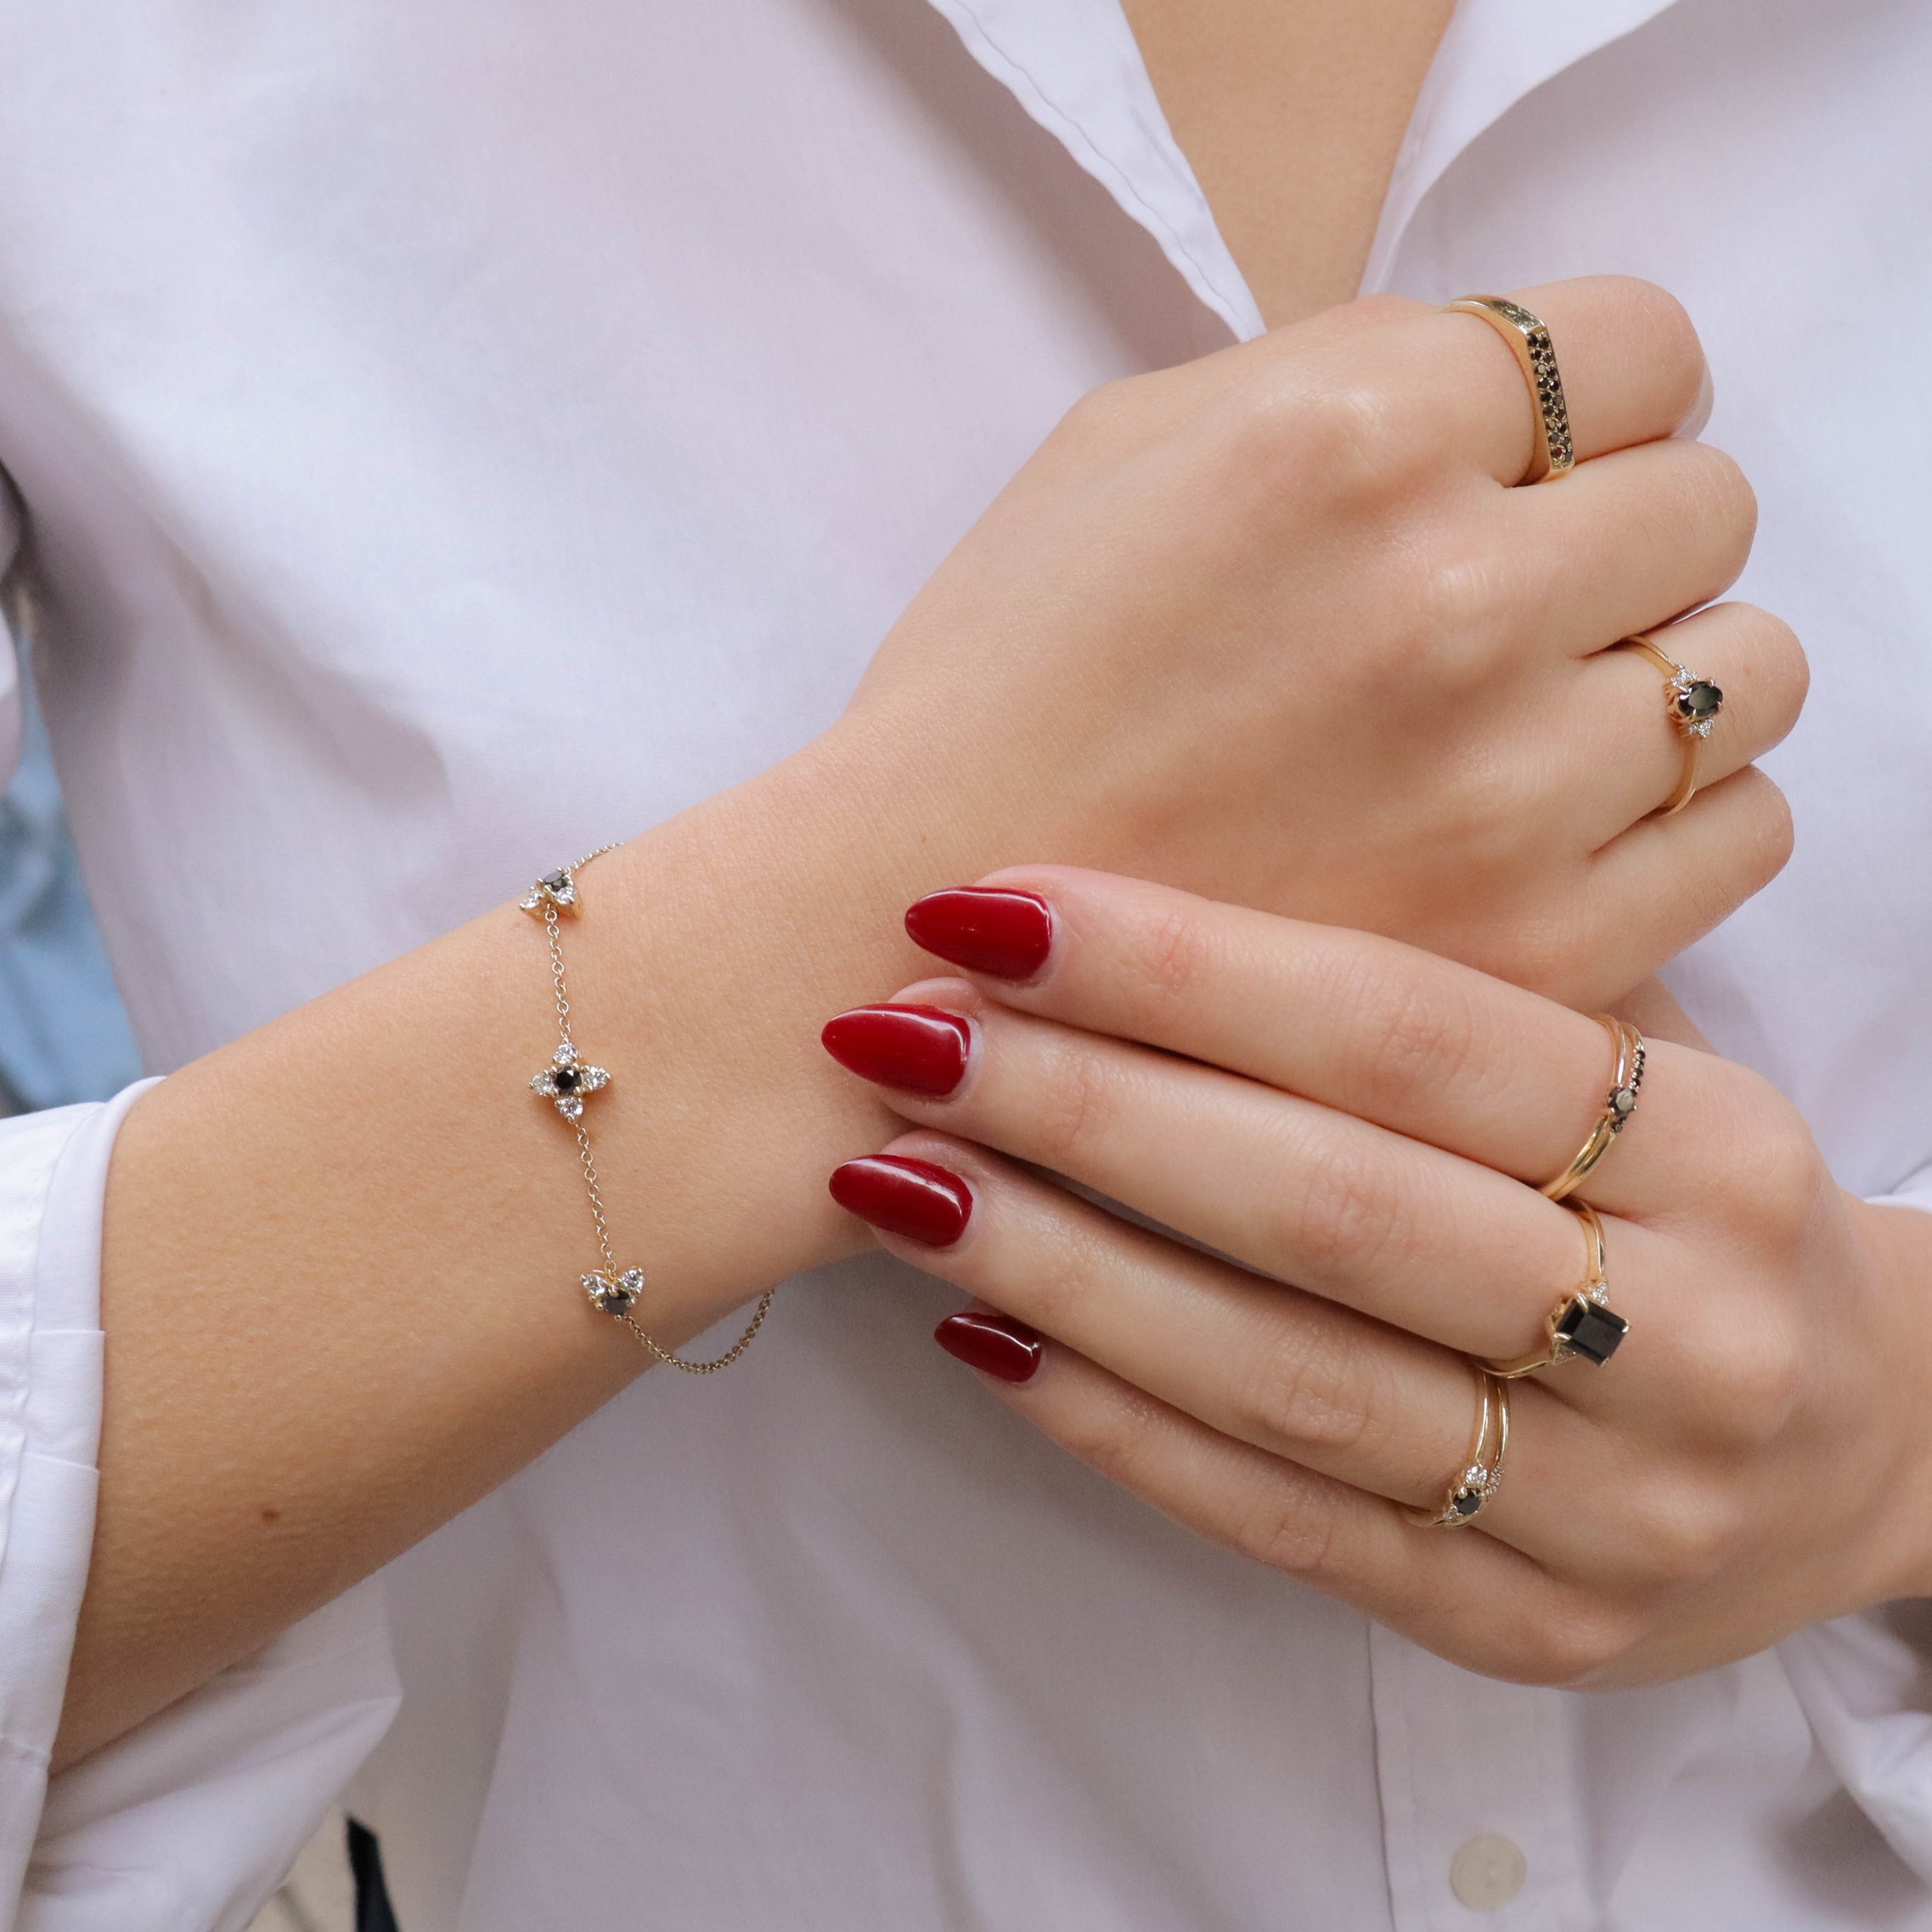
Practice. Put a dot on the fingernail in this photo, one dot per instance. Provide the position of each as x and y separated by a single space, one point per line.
996 1343
917 1049
912 1197
1006 934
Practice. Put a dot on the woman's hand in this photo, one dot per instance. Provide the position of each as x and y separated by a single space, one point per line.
1273 626
1335 1111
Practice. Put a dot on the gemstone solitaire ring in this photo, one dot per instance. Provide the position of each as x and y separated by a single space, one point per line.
1691 703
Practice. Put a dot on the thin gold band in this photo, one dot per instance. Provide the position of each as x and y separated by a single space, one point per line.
1583 1323
1619 1103
1528 337
1479 1480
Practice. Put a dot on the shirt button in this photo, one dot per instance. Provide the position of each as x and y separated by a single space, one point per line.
1488 1872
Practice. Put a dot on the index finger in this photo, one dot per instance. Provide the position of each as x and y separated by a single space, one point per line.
1429 1049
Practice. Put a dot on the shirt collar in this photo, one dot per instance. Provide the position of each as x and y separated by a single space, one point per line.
1494 53
1073 65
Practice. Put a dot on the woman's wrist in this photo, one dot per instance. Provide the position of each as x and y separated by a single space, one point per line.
341 1254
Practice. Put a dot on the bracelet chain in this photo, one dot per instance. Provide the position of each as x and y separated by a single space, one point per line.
611 1289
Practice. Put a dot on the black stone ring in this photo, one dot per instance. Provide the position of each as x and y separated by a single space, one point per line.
1691 703
1583 1323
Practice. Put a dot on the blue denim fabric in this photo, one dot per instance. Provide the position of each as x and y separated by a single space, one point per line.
63 1035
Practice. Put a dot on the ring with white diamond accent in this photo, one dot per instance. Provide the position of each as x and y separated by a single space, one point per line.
1483 1477
1583 1323
1619 1104
1528 337
1692 703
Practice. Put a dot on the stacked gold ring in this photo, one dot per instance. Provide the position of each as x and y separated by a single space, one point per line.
1528 337
1583 1323
1483 1475
1619 1103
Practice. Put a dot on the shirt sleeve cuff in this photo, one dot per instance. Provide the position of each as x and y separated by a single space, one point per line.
190 1821
1863 1683
53 1168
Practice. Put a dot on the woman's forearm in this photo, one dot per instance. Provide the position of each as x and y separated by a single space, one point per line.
340 1258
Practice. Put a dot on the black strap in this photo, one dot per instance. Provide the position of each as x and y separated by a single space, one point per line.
372 1911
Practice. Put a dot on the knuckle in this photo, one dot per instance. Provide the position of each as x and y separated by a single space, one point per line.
1102 414
1752 838
1577 1640
1309 1391
1722 500
1684 1531
1073 1105
1291 1529
1656 327
1341 1217
1335 438
1422 1039
1769 832
1166 969
1112 1437
1777 665
1756 1380
1456 596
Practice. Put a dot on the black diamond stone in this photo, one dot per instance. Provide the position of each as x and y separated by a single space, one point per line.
1590 1330
613 1300
566 1079
558 881
1697 702
1466 1502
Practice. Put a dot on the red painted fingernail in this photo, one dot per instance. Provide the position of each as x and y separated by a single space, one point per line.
1006 934
912 1197
917 1049
996 1343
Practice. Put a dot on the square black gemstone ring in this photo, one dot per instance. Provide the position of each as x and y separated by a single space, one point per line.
1589 1329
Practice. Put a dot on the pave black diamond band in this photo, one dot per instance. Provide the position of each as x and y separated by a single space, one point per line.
1528 337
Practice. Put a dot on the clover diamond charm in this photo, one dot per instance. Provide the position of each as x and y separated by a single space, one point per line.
566 1081
613 1294
555 892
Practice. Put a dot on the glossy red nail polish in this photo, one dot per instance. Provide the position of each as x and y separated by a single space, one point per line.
996 1343
1007 935
917 1049
912 1198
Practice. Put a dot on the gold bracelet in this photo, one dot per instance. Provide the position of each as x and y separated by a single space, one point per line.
566 1083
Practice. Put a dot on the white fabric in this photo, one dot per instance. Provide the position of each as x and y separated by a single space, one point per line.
454 435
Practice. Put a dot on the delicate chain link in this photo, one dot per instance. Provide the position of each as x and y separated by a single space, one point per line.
560 989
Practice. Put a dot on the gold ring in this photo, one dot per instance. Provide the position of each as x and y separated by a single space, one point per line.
1619 1103
1528 337
1474 1486
1583 1323
1692 703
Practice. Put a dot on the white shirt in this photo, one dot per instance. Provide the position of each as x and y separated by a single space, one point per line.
396 393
